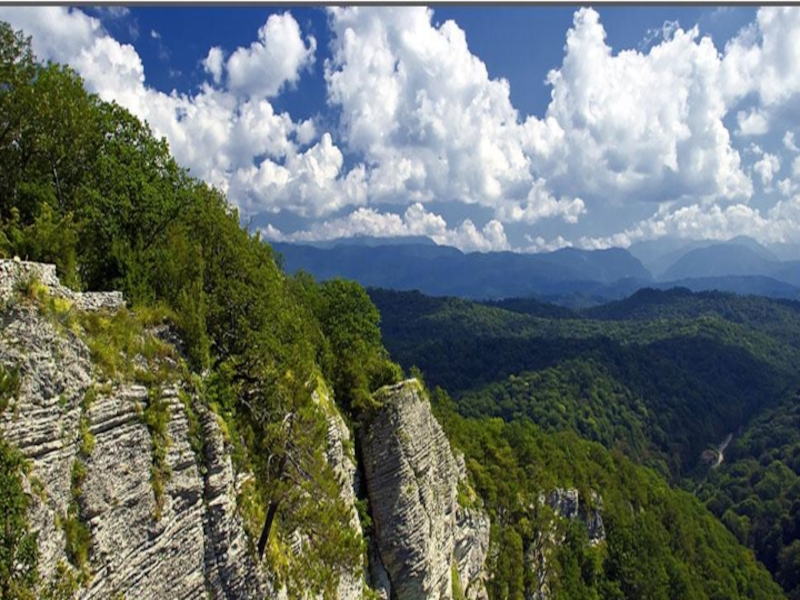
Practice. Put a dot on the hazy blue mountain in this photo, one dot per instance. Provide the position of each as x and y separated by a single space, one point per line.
718 260
441 270
593 294
788 271
748 242
732 259
658 256
786 251
759 285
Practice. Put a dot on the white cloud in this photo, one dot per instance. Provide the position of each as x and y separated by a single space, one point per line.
540 204
638 125
766 168
788 142
225 136
539 244
59 33
427 118
753 122
114 12
272 62
213 63
787 188
416 221
310 184
713 222
765 58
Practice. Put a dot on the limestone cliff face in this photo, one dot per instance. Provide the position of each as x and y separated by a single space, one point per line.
185 538
196 546
422 534
190 542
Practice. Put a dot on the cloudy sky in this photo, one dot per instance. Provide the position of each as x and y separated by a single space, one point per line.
524 128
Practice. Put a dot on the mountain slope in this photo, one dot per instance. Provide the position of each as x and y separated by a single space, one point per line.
663 377
756 488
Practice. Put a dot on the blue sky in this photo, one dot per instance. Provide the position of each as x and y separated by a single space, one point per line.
487 128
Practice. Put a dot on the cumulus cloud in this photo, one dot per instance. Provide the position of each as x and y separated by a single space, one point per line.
230 136
788 142
213 63
273 61
416 221
539 244
631 126
712 222
428 119
765 58
636 125
787 188
753 122
766 168
540 204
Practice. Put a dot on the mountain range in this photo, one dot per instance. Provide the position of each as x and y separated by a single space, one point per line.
570 277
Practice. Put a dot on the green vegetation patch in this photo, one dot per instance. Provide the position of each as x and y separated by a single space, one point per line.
123 348
77 534
680 549
9 386
19 551
156 416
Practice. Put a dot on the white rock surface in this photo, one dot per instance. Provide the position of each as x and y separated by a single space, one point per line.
412 481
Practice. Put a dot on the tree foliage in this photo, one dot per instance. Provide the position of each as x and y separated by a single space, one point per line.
88 186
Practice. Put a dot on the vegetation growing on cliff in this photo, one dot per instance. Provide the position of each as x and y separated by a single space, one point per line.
86 185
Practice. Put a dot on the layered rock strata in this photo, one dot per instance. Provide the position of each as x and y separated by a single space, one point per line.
192 545
423 537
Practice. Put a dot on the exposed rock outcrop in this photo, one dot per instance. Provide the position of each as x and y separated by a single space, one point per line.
193 545
351 582
161 515
566 505
230 570
14 273
412 478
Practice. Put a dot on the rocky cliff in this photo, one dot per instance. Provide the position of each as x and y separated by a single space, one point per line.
426 543
92 459
134 492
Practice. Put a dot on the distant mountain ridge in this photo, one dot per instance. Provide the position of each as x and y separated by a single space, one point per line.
732 259
570 276
442 270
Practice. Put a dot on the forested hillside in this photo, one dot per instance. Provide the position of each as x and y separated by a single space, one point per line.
756 490
660 542
662 377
